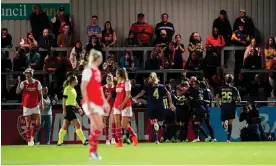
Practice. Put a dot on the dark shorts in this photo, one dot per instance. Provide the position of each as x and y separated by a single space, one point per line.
169 116
227 113
70 113
182 113
198 113
156 113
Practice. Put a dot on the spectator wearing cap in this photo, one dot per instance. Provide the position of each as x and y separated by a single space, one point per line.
142 30
165 25
39 21
60 20
6 38
224 27
94 29
239 38
248 23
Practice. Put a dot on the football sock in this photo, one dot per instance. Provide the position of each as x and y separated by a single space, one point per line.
211 130
202 131
106 133
113 130
28 134
61 135
119 135
186 125
81 135
182 133
154 133
34 130
229 131
93 140
164 132
130 131
196 130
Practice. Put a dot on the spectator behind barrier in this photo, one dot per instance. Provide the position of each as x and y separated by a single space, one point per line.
249 27
253 58
215 42
94 29
93 44
19 62
51 62
46 41
154 62
39 21
77 55
218 79
33 59
60 20
195 46
165 25
178 60
132 40
142 30
129 61
29 42
110 65
6 38
108 35
270 51
64 39
242 85
272 77
163 39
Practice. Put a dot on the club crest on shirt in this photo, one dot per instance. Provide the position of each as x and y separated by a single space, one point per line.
21 126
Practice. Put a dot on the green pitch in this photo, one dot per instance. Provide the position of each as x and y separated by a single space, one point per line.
258 153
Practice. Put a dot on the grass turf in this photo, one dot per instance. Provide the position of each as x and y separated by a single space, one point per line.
258 153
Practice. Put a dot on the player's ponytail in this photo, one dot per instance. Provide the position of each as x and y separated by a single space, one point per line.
93 55
69 80
153 78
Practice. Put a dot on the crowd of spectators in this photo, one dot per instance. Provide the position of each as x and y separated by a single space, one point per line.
168 52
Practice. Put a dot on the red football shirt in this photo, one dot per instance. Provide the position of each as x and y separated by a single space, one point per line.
121 89
30 93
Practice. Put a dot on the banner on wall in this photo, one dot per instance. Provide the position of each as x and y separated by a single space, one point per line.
21 10
13 126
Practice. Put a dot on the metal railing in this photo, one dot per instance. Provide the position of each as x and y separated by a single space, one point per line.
229 48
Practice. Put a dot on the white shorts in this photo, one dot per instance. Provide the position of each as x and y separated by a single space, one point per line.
125 112
31 111
96 109
109 113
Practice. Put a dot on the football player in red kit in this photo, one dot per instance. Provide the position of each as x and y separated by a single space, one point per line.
109 90
94 102
122 107
31 101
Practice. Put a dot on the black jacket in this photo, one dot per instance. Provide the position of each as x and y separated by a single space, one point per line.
224 28
249 27
168 27
7 41
38 23
46 42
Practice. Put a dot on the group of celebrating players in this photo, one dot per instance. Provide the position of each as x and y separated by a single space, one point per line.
166 105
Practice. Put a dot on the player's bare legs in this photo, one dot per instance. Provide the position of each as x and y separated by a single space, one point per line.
113 125
127 127
119 133
37 120
106 129
62 131
229 130
79 131
96 125
28 121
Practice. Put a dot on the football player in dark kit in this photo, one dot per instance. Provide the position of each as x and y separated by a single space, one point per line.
226 98
155 93
198 110
208 98
183 113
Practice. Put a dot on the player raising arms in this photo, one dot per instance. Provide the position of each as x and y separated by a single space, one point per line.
70 105
226 98
155 93
122 107
32 103
108 90
93 102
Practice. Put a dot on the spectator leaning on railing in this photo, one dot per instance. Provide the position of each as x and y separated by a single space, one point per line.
154 62
33 59
165 25
142 30
77 55
93 44
39 21
19 62
6 38
94 29
131 41
51 62
270 51
129 61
